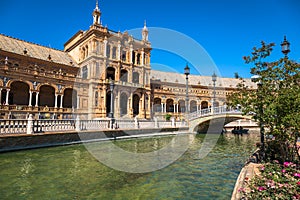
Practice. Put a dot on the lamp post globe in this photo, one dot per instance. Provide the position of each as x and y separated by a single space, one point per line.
285 47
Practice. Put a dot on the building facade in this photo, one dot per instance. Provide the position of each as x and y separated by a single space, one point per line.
98 73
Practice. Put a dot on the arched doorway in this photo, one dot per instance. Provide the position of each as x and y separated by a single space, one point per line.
136 104
124 75
181 106
70 98
110 73
19 93
123 104
47 96
204 105
170 105
157 105
193 106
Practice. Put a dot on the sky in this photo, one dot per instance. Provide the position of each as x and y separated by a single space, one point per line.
224 30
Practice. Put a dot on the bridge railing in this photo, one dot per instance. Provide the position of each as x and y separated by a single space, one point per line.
212 111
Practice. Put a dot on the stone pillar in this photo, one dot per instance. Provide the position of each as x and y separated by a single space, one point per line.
174 111
165 107
78 101
162 107
155 122
130 54
177 106
29 129
119 51
142 59
7 94
37 99
77 124
55 104
105 47
30 98
61 101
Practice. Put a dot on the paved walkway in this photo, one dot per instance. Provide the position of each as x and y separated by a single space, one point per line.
247 173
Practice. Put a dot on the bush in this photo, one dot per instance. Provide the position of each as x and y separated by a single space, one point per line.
168 117
277 181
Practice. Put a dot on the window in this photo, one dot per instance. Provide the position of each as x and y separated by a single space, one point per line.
108 51
97 70
84 72
114 52
96 99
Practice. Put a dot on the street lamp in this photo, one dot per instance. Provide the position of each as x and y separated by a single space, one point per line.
187 73
214 79
285 47
257 79
111 85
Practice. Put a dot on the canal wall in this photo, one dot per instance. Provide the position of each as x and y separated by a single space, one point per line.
31 141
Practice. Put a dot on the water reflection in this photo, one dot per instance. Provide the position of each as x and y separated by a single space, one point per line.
71 172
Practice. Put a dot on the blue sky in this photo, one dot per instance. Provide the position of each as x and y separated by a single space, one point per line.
226 29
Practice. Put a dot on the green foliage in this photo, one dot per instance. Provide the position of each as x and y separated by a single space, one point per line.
276 101
276 181
168 117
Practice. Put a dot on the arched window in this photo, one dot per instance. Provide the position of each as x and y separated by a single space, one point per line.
124 75
110 73
204 104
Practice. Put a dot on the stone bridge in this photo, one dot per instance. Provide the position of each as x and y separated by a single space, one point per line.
212 120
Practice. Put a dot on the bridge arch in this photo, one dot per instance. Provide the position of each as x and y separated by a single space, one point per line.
214 123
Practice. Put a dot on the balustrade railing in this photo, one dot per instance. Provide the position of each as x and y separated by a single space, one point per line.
212 111
14 126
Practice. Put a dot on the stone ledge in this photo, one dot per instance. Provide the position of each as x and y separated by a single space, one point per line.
247 173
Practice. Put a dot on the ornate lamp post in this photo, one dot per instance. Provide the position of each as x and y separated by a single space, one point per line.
257 79
285 47
111 87
187 73
214 79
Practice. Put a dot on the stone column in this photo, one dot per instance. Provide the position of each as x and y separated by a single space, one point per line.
162 107
119 51
142 59
55 104
165 107
7 94
130 54
30 98
78 101
29 125
177 107
105 47
174 111
37 99
61 101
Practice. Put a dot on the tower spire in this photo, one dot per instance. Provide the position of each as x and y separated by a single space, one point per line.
97 14
145 32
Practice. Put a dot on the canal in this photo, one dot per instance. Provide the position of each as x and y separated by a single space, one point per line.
73 172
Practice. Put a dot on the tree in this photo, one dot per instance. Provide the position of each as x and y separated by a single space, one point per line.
236 75
276 101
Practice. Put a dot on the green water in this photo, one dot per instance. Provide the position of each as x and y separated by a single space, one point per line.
71 172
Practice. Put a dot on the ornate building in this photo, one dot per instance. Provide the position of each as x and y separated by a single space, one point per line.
99 69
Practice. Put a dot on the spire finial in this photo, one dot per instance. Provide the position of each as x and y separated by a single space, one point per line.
97 5
97 14
145 23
